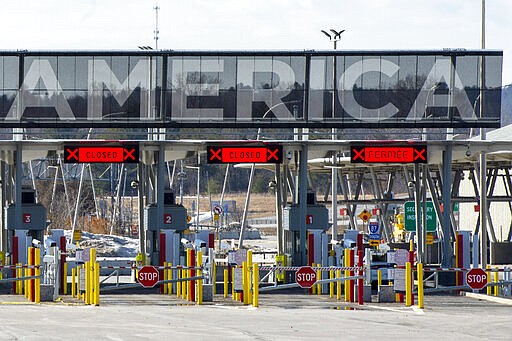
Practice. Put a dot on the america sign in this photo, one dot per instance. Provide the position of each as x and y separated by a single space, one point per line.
283 89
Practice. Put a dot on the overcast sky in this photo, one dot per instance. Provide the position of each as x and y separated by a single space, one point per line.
256 25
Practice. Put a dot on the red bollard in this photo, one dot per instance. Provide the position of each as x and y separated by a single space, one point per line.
460 259
14 260
360 284
162 260
62 249
413 266
311 253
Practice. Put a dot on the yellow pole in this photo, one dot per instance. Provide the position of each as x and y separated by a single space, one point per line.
88 274
379 277
92 275
165 277
244 283
420 285
331 284
199 262
178 284
489 288
226 274
496 280
30 272
255 283
73 282
408 286
19 284
97 284
183 284
314 288
187 296
214 277
318 278
65 279
338 285
25 282
38 273
78 295
169 276
233 296
249 279
346 286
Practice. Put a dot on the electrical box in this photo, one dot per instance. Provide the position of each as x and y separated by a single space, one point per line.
174 218
33 217
317 217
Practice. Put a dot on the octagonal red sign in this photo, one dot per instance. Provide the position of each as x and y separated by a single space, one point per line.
476 278
148 276
305 277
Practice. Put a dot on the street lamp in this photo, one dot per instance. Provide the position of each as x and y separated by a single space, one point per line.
335 37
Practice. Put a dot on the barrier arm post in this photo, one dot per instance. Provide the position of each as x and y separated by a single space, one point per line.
255 283
408 286
73 282
338 285
199 262
331 284
360 283
37 263
226 274
420 285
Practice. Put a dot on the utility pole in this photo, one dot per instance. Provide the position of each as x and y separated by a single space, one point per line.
156 31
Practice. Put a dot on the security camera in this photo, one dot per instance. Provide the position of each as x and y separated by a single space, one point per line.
411 184
468 152
134 184
36 242
289 155
272 184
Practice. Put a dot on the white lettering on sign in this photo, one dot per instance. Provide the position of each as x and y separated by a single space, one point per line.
167 218
476 278
148 276
306 277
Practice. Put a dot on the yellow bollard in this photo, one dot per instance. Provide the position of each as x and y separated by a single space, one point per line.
30 294
65 279
379 277
165 277
19 284
249 279
214 277
226 274
37 263
78 295
318 278
183 284
408 286
25 283
489 288
97 284
92 275
314 287
233 296
346 256
199 264
178 284
73 282
420 285
496 280
331 284
169 277
244 283
338 285
88 282
255 284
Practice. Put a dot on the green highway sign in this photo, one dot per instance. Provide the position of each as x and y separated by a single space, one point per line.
410 216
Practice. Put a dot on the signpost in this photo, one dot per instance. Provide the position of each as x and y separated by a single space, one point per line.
410 216
305 277
148 276
476 278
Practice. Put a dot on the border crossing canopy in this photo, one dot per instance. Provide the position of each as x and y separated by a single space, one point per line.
280 89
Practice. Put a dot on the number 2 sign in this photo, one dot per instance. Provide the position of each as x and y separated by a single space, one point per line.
167 218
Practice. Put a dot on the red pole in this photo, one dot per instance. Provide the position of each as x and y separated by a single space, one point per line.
162 260
192 284
62 248
411 260
311 253
211 241
360 285
14 259
359 242
351 282
460 258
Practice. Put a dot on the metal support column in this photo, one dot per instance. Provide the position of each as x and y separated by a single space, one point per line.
279 210
140 192
302 194
18 212
159 196
418 210
446 260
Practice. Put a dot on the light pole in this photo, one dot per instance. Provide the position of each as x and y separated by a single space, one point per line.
335 37
483 159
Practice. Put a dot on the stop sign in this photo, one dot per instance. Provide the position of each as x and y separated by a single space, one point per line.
305 277
148 276
476 278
